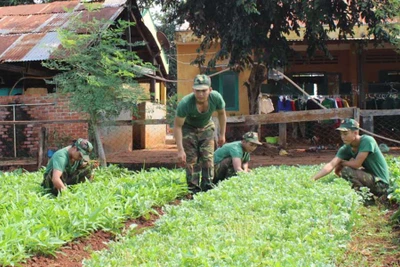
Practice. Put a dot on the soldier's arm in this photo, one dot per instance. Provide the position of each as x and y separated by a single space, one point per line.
56 179
237 164
357 162
327 168
178 138
222 126
246 166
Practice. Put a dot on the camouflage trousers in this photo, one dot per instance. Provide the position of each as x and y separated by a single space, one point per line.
78 176
223 170
360 178
198 144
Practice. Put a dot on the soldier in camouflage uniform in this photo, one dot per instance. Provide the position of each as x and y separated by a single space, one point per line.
68 166
234 157
194 132
359 160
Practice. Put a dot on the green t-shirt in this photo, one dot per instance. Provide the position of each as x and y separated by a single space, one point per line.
375 162
231 150
60 161
187 109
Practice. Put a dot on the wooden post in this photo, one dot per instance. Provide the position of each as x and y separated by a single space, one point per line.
100 148
282 135
356 114
368 123
42 136
45 147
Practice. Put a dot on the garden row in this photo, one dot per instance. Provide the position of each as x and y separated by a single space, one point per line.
32 222
273 216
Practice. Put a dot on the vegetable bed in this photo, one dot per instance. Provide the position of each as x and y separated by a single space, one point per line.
32 222
274 216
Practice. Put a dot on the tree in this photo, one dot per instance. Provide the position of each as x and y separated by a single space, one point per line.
98 71
19 2
252 33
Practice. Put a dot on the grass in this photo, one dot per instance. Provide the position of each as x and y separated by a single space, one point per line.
375 243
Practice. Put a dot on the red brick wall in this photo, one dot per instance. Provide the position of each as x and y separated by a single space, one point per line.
44 108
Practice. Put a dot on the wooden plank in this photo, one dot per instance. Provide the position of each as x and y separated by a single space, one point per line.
39 122
18 162
281 117
381 112
135 122
298 116
107 123
235 119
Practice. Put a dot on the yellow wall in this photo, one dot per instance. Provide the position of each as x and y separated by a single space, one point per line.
186 53
347 66
160 94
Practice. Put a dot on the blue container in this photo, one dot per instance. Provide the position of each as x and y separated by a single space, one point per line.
50 153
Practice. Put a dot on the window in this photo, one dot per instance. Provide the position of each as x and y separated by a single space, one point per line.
227 85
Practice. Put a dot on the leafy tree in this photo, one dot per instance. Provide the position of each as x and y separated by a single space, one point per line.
252 33
98 70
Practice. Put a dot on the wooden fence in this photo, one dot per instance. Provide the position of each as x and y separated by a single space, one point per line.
281 118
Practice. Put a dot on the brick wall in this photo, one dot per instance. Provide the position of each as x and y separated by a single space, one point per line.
46 107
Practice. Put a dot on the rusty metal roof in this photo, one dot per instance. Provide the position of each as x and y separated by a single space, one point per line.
29 32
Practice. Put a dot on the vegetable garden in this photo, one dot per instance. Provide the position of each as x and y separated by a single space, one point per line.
273 216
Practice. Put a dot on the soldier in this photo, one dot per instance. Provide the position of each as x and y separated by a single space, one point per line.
69 165
194 132
234 157
359 160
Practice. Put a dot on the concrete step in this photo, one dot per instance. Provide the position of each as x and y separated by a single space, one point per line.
170 140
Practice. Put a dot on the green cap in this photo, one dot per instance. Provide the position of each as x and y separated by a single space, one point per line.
201 82
84 147
348 125
252 137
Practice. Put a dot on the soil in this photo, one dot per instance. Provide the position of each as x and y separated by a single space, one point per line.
265 155
72 254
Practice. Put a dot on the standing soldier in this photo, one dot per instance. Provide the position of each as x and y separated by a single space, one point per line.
194 132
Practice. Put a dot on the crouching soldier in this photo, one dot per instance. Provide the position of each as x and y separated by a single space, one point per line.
359 161
234 157
68 166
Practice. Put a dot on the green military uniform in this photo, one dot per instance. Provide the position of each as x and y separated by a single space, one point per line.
375 174
223 160
71 173
198 139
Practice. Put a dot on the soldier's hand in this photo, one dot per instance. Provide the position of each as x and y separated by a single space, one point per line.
221 141
83 164
95 164
181 156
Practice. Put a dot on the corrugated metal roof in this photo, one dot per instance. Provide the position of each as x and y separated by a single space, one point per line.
28 32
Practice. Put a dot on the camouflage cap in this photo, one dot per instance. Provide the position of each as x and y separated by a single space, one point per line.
84 147
201 82
252 137
348 125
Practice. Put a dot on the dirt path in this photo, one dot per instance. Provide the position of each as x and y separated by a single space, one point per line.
262 156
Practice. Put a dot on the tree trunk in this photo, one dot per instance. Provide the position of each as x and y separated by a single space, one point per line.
100 149
257 76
